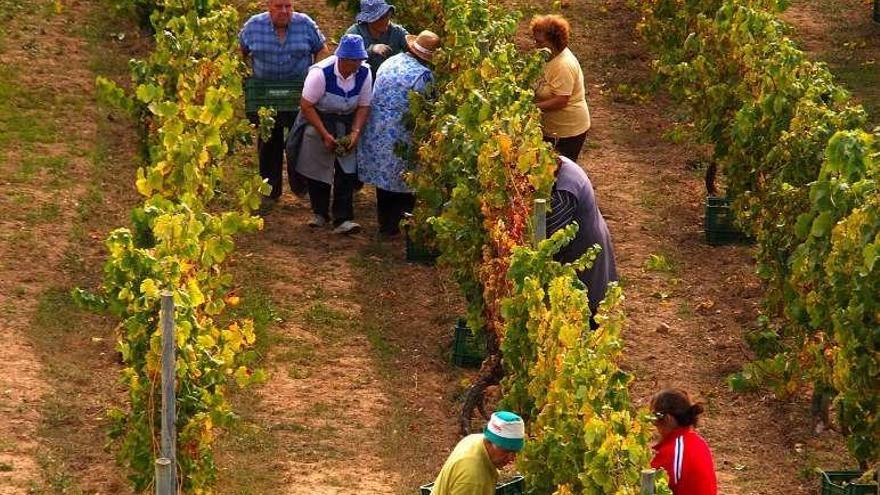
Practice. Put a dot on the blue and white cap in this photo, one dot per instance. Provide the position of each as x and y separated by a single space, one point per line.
506 430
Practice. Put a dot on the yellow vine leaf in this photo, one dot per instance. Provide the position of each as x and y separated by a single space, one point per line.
149 288
195 293
205 341
504 144
142 184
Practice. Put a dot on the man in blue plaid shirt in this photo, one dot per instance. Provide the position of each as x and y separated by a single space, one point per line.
282 44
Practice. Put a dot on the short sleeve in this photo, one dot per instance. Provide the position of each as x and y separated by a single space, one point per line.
314 86
244 37
561 80
366 95
317 40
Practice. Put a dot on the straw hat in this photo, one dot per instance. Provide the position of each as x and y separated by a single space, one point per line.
423 45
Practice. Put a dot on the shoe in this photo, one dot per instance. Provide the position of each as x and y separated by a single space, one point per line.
266 206
317 221
347 227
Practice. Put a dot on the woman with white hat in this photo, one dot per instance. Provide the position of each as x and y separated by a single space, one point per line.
378 162
382 37
323 141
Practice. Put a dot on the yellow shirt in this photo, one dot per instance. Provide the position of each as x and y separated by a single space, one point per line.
563 76
468 470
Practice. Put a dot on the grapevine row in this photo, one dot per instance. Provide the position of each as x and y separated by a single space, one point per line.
482 162
179 240
802 175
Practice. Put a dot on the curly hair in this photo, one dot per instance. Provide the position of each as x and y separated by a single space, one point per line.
555 27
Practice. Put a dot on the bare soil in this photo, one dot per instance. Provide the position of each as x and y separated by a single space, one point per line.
358 399
58 198
843 34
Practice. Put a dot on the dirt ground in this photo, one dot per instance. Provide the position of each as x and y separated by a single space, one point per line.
843 34
61 160
360 396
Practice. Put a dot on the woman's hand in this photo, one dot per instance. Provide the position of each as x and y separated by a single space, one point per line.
354 137
329 142
555 102
381 49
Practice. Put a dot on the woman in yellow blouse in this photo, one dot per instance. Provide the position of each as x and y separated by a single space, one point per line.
560 93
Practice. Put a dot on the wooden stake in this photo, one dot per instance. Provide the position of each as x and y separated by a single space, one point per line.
169 400
540 221
648 481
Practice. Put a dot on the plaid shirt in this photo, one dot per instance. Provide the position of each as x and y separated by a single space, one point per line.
274 59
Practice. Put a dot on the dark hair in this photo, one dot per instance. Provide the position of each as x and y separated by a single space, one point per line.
554 26
677 402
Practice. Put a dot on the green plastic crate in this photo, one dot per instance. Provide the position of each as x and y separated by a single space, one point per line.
417 253
468 349
719 223
512 487
283 96
839 483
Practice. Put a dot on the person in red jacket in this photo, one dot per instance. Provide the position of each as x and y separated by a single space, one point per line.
681 451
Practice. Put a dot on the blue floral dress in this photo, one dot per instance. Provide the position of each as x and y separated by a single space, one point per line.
378 164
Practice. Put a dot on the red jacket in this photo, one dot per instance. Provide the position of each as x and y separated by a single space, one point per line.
687 460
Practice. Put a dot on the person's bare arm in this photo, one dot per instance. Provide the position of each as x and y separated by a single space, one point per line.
311 115
360 118
555 102
323 53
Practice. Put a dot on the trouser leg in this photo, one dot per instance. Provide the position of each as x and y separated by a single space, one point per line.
383 210
319 197
271 155
390 208
407 204
570 147
343 195
403 203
